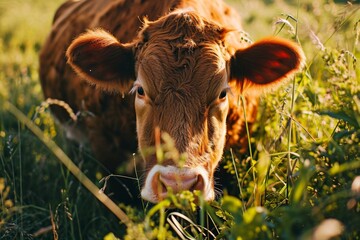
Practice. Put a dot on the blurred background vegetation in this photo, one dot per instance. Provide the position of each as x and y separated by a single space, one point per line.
302 176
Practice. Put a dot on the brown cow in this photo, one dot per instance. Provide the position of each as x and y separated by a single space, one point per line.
179 59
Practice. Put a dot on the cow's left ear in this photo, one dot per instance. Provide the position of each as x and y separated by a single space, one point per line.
101 59
266 63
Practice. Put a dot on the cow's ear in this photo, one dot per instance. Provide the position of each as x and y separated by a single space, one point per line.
101 59
264 64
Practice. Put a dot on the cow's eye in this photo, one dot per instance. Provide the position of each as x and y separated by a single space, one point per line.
140 91
223 94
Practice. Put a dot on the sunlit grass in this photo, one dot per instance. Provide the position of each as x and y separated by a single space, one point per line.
297 180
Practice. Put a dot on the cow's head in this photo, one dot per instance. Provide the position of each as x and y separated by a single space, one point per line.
182 66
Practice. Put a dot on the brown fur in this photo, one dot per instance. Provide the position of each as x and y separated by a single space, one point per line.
185 52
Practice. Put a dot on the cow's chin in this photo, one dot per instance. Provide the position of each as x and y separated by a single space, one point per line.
162 180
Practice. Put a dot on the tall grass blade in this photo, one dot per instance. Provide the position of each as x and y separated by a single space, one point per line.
59 153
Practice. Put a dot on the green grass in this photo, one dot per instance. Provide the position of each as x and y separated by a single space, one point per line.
305 145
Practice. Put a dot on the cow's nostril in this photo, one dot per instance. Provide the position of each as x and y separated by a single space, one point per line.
158 186
199 184
162 188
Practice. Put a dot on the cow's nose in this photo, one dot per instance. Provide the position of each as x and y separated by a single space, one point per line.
175 183
178 183
162 180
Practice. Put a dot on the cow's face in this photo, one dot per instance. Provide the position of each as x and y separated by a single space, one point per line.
182 91
182 68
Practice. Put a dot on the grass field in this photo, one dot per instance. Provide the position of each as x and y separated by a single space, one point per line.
301 180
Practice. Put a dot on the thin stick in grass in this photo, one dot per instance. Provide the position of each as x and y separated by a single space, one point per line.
59 153
243 101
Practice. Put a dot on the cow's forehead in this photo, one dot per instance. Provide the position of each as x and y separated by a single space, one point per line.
195 73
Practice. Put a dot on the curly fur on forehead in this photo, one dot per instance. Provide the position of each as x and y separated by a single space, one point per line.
188 29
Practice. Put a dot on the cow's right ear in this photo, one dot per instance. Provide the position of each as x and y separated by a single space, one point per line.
101 59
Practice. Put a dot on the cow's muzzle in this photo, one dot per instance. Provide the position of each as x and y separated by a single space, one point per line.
162 180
